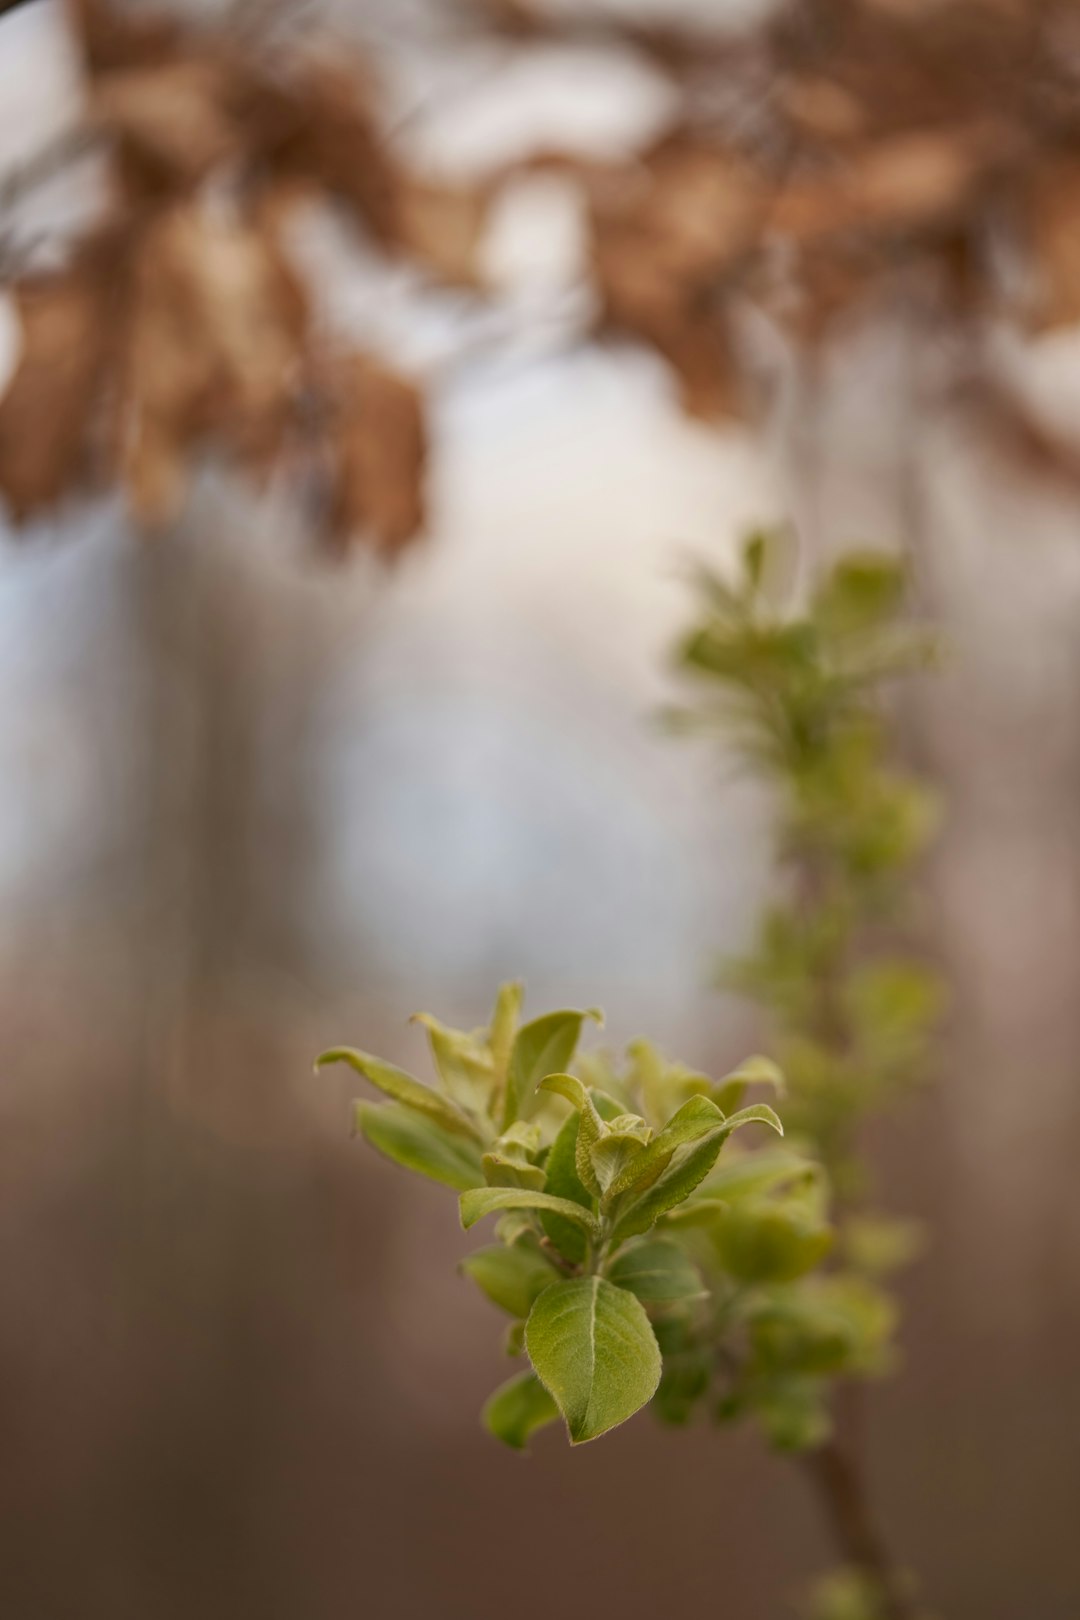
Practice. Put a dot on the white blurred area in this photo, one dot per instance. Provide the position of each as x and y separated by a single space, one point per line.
489 789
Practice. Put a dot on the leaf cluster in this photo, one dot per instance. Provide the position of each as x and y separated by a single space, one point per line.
799 694
631 1260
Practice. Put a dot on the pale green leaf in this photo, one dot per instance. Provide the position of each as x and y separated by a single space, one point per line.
544 1046
420 1144
517 1409
753 1071
615 1153
401 1087
511 1170
504 1023
697 1117
594 1349
765 1170
686 1169
483 1201
511 1278
464 1067
756 1114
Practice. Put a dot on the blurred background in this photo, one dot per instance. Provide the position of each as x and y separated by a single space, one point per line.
257 799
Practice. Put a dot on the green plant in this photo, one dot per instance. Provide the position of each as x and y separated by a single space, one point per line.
798 692
611 1207
634 1262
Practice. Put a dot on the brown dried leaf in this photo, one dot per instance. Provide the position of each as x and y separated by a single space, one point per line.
442 226
666 237
173 120
47 410
216 353
115 35
1053 223
317 125
380 442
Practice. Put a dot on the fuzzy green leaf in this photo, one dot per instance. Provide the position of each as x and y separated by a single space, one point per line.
483 1201
593 1348
544 1046
420 1144
695 1119
511 1278
401 1087
563 1182
511 1170
517 1409
754 1071
465 1069
614 1155
504 1023
686 1170
657 1272
590 1130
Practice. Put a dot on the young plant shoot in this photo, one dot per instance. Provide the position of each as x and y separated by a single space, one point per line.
797 692
628 1251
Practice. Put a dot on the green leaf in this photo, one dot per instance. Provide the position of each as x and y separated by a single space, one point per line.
657 1272
862 592
794 1414
593 1348
510 1170
517 1409
420 1144
756 1114
504 1023
754 1071
511 1278
663 1086
614 1155
687 1168
483 1201
765 1170
763 1242
401 1087
545 1046
465 1069
590 1130
695 1119
563 1182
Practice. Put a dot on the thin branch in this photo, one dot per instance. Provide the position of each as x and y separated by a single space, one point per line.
841 1489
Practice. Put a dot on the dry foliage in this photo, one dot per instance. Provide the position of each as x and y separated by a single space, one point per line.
180 329
873 140
823 164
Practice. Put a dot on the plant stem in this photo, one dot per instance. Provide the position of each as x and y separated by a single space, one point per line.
842 1491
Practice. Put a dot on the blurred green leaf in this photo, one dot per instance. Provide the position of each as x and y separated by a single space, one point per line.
420 1144
517 1409
511 1278
463 1065
544 1046
658 1272
402 1088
